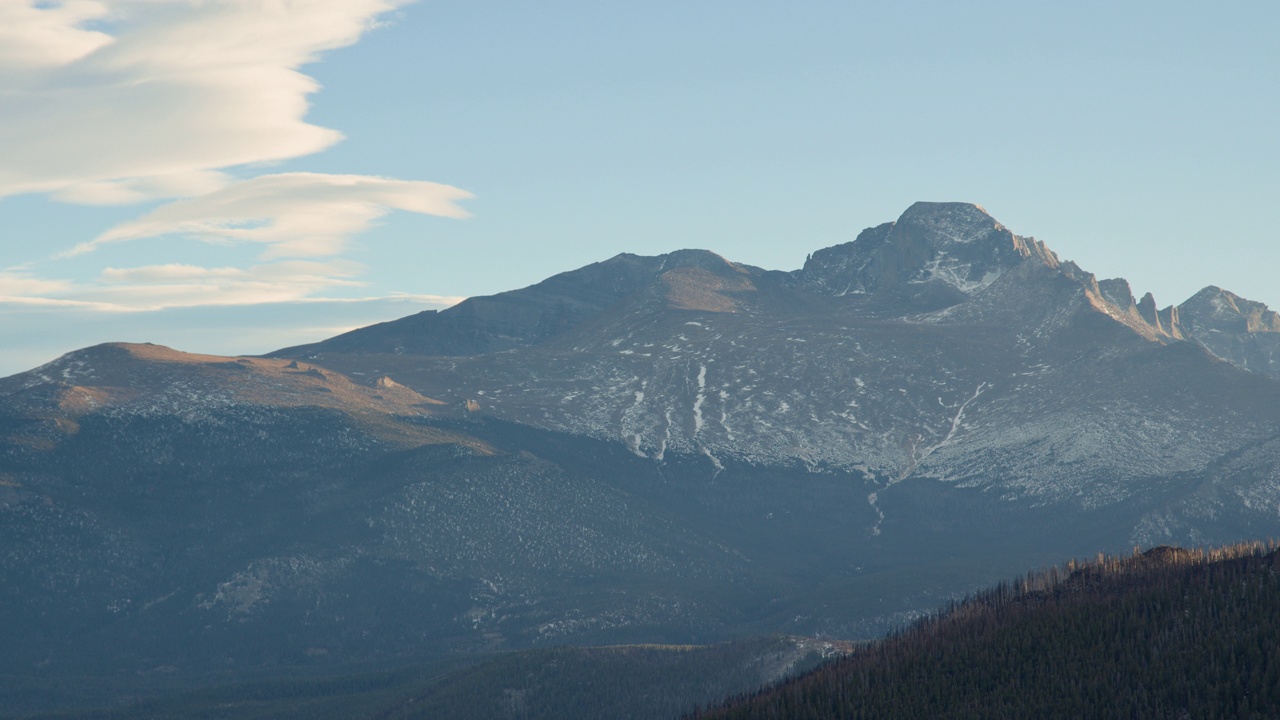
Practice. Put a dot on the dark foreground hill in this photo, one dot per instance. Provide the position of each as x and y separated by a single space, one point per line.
1167 634
640 682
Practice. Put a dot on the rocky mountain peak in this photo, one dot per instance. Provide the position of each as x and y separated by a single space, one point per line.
955 222
957 247
1242 332
1215 309
1118 292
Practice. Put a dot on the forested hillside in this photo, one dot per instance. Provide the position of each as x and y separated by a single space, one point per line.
1169 633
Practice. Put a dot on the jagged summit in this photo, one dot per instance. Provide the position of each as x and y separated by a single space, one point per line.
1216 310
954 247
1242 332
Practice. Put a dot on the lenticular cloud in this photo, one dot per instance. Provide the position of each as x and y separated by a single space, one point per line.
112 101
293 214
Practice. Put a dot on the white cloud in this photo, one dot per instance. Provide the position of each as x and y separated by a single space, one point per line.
171 286
20 282
168 273
131 191
161 89
159 287
294 214
34 36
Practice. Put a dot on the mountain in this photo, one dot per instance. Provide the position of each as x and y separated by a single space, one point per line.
1240 331
1165 634
675 449
940 346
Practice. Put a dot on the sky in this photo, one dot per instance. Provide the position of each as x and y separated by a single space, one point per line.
235 176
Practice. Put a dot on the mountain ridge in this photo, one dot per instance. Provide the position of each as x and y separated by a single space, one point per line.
935 256
918 304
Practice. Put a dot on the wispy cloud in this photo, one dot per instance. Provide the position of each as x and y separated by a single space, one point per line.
131 191
177 285
160 92
20 282
294 214
160 287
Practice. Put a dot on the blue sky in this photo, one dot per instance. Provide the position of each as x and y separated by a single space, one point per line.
235 176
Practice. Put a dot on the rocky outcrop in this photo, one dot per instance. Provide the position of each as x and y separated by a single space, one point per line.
1148 312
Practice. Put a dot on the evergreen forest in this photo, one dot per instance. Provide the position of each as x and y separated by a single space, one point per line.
1169 633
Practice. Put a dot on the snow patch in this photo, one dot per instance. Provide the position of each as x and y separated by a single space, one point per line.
697 402
871 500
957 274
955 421
714 461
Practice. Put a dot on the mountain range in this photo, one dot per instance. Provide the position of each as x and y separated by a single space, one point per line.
939 346
647 449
